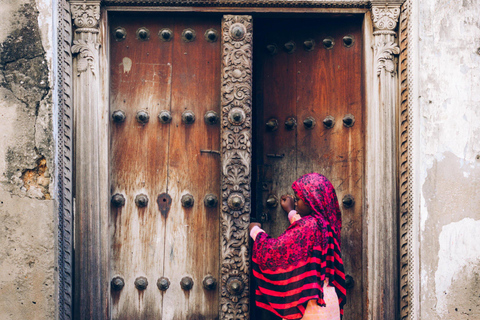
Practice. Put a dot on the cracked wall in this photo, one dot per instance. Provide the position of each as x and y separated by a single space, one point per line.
27 238
449 88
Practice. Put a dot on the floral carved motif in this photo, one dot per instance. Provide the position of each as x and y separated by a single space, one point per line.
385 55
85 15
86 51
236 158
386 49
385 18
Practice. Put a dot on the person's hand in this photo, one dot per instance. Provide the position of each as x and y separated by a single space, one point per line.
253 224
288 203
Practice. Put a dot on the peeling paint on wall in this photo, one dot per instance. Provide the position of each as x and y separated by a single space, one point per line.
25 86
451 231
458 258
27 237
449 172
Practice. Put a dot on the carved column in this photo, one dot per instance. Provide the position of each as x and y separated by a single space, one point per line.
86 85
236 158
382 217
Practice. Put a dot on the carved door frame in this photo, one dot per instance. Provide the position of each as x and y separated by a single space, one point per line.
83 113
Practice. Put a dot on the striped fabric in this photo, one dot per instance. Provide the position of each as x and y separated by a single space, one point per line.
292 269
286 291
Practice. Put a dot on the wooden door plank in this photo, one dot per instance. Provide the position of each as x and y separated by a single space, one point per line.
278 102
330 83
141 74
192 242
326 83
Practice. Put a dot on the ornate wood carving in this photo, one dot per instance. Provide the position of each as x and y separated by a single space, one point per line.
87 119
385 48
64 161
236 158
381 151
236 95
243 3
405 174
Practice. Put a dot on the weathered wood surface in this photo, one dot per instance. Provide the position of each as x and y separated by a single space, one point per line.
314 83
154 158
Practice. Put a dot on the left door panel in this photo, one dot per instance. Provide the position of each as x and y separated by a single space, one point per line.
167 66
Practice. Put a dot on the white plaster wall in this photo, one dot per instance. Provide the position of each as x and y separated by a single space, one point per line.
449 158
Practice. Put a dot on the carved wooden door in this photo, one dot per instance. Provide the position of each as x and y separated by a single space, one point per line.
165 166
309 117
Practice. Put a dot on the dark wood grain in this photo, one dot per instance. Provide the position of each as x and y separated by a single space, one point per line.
314 84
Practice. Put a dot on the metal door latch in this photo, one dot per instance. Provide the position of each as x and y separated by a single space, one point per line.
210 151
274 155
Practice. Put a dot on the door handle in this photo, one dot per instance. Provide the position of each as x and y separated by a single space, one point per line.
349 282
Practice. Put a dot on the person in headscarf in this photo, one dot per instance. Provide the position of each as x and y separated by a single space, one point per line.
300 274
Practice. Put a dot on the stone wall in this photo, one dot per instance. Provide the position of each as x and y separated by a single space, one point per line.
27 210
449 159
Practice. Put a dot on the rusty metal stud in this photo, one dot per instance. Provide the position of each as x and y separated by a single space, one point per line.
349 282
211 117
165 116
238 31
118 200
290 47
188 117
235 201
348 201
272 124
187 200
143 34
165 34
210 201
120 34
118 116
143 116
141 200
235 285
163 283
309 44
141 283
186 283
309 122
117 283
348 41
236 116
328 43
329 122
211 35
272 49
272 201
290 123
209 283
348 120
189 35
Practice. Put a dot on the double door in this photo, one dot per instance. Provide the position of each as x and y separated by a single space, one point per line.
165 98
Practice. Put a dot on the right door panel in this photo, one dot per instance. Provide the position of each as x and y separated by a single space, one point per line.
309 117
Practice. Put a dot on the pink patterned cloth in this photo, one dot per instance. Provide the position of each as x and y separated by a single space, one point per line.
291 270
